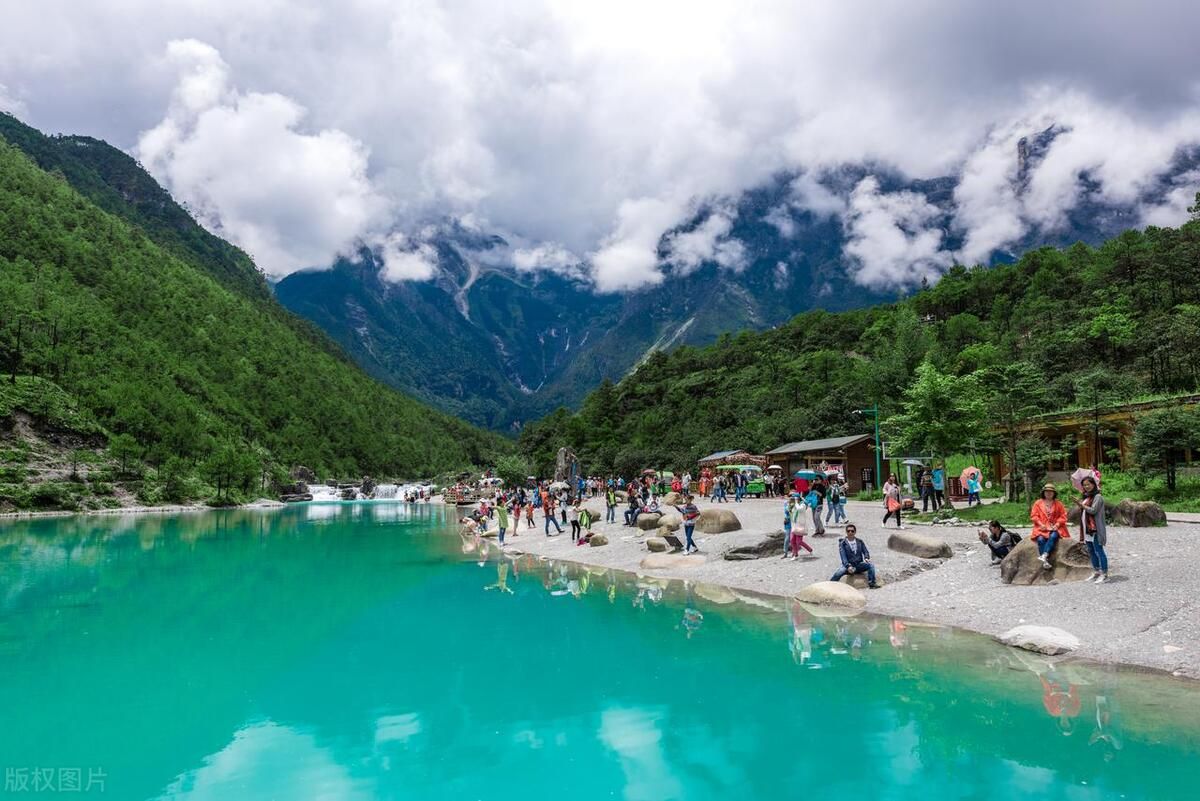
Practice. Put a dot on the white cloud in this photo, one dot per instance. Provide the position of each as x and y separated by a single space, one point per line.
628 258
242 164
561 121
1173 210
406 260
707 242
546 256
893 239
10 102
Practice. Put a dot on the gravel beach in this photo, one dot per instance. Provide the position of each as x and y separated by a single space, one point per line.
1147 615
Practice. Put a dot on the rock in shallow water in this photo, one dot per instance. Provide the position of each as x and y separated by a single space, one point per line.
1041 639
832 593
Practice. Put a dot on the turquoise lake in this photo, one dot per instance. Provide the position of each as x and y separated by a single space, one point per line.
365 651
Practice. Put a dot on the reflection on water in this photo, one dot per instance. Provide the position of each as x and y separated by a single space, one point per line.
369 650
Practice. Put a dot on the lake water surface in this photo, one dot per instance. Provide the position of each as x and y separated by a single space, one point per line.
364 651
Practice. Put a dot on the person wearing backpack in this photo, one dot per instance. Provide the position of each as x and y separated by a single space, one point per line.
999 540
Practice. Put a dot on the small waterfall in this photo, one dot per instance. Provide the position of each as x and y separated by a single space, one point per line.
386 492
323 492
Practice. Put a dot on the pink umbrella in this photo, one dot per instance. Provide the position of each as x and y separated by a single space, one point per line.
1079 475
966 474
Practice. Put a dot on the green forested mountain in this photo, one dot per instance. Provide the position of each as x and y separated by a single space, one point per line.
1079 327
173 345
112 180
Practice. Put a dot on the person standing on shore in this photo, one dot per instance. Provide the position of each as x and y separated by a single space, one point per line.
795 513
1094 529
573 518
690 514
1049 518
816 500
610 504
502 520
891 500
548 512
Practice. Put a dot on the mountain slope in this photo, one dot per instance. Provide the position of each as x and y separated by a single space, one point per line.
112 180
157 348
524 343
1089 326
500 347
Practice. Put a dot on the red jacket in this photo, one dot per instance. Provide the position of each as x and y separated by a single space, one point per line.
1046 521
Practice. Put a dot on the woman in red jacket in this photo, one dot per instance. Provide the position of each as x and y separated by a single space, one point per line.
1049 518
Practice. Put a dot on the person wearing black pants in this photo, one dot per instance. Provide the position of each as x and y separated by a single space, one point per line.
889 513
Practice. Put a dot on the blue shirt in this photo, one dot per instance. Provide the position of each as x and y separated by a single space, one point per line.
939 479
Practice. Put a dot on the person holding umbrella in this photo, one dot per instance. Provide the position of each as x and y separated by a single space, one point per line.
1092 525
1049 518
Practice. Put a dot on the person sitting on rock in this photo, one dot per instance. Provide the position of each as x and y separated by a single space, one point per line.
855 557
999 540
635 509
1049 518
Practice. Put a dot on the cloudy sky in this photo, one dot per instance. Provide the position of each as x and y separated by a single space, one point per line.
585 131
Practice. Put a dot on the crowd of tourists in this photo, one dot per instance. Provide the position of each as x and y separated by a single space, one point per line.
811 505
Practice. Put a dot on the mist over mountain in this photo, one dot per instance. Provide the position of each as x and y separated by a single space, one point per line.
498 344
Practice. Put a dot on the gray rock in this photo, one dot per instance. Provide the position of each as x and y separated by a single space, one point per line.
770 545
597 540
1139 513
1040 639
672 522
648 522
921 546
717 521
859 580
656 545
1069 561
832 593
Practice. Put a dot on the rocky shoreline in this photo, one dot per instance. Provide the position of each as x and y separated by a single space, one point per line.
1147 616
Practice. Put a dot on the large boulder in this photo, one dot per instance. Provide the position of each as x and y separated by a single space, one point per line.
648 521
622 496
672 522
597 512
1041 639
305 474
657 545
832 593
770 545
1069 562
717 521
672 499
597 540
660 561
921 546
1139 513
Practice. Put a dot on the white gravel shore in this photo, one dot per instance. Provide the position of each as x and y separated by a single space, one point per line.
1147 615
